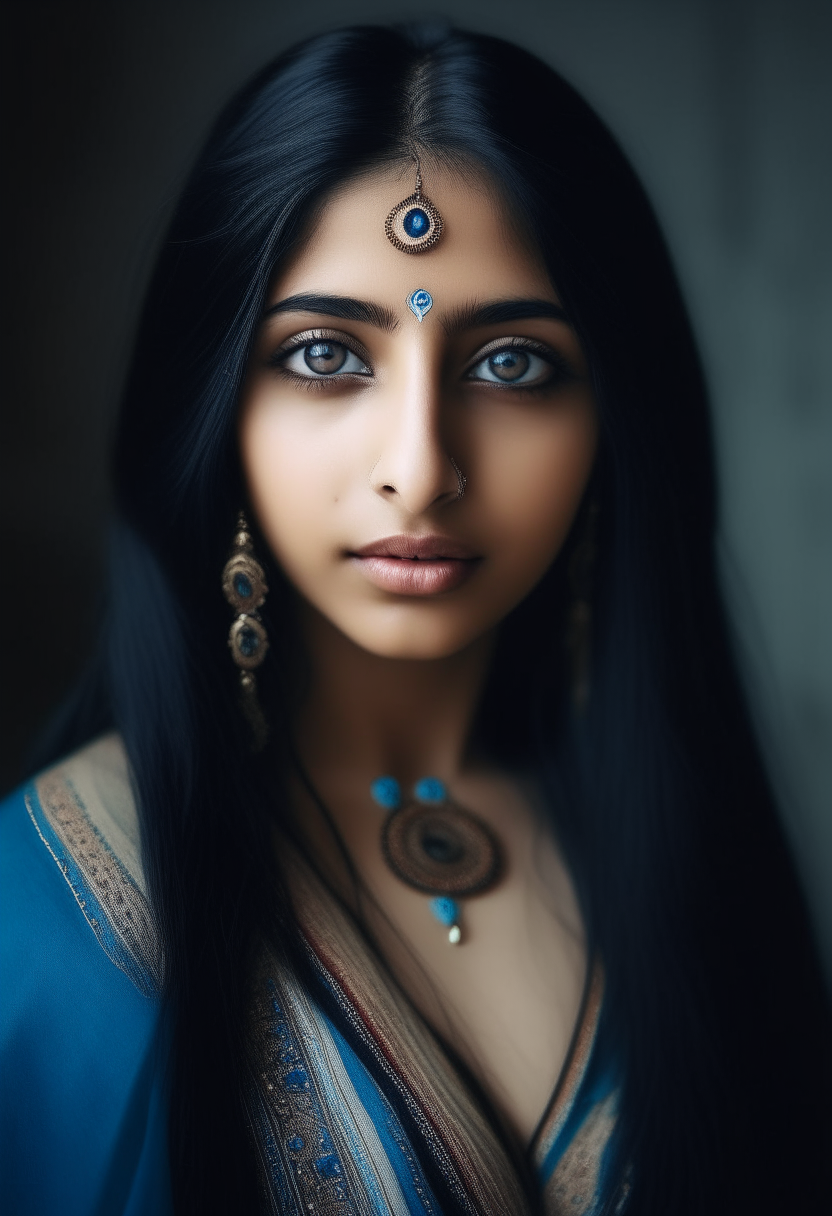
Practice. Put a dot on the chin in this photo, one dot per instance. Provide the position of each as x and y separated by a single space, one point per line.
419 640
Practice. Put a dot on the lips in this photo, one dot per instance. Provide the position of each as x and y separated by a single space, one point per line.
416 565
418 548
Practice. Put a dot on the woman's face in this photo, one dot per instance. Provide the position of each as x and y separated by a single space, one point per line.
356 416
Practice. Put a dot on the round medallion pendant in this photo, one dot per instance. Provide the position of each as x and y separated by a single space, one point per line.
414 225
441 849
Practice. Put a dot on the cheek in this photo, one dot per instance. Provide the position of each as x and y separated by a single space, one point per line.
534 478
283 474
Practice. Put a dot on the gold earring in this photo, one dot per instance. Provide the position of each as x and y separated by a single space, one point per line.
244 586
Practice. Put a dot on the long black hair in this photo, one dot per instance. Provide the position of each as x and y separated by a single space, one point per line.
655 786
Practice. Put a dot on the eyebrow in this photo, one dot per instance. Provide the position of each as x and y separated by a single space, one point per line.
345 307
469 316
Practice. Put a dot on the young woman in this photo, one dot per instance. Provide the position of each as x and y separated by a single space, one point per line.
449 880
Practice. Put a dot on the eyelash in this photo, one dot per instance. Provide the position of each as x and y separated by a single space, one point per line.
276 360
561 370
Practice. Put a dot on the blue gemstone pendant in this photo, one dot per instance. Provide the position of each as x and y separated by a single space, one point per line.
414 225
436 846
420 302
446 911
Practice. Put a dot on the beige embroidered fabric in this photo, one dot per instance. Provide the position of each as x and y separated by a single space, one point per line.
84 813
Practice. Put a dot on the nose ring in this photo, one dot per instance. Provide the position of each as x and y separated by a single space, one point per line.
462 481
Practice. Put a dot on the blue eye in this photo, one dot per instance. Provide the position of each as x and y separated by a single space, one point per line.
323 357
509 365
513 365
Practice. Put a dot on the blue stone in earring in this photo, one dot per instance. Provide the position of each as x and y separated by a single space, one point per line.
420 302
242 585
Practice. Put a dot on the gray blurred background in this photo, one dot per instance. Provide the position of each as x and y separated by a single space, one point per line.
724 106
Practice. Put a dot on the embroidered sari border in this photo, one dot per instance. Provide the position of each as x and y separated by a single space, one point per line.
578 1183
356 1128
397 1146
306 1170
435 1144
573 1151
574 1071
321 1148
111 903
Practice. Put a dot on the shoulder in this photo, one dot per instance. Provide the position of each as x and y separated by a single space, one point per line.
79 1009
71 865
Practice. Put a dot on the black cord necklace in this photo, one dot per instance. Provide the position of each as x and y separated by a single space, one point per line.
430 843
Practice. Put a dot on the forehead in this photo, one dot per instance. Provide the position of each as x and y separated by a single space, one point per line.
479 255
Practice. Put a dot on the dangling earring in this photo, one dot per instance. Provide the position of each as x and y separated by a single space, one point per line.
245 588
579 624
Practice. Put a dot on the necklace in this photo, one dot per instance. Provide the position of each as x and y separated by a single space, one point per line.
436 846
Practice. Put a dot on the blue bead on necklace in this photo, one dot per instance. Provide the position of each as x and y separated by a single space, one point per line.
436 846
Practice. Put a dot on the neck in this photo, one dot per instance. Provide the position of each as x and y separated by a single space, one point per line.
365 714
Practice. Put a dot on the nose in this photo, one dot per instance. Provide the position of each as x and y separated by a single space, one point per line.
415 468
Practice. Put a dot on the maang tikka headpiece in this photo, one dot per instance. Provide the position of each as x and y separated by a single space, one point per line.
414 224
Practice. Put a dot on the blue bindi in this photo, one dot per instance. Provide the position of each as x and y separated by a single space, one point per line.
420 303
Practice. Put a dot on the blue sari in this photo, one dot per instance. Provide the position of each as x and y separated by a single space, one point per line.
355 1107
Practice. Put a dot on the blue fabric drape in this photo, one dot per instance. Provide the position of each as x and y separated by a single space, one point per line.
82 1109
